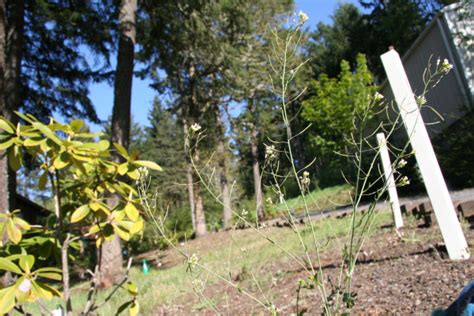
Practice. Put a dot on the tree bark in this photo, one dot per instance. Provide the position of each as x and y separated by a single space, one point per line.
225 191
111 263
189 175
11 34
201 228
4 205
257 179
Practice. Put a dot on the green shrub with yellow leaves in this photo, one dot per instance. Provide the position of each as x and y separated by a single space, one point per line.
94 199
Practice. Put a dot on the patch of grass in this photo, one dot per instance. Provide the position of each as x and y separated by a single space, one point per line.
223 253
327 198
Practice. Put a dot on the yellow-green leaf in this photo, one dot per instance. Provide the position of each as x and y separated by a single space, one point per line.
7 299
134 174
47 132
80 213
7 126
7 265
132 211
14 158
122 169
14 234
94 206
62 160
147 164
131 288
27 262
136 227
134 309
122 150
21 223
51 275
29 142
6 144
123 234
76 125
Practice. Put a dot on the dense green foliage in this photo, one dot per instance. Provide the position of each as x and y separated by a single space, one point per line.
331 111
82 178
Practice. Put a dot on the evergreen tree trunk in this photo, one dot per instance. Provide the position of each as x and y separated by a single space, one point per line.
111 261
12 43
257 179
189 175
225 191
201 228
4 205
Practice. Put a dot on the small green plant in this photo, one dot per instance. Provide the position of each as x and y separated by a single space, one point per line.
83 179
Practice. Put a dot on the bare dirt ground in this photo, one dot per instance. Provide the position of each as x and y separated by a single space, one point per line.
405 276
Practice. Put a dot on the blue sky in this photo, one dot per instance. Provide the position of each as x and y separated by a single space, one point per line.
142 95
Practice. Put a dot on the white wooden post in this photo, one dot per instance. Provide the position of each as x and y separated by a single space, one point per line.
433 178
389 180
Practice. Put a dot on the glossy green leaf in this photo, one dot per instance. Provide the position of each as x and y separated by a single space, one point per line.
131 288
48 269
136 227
122 233
27 262
122 150
13 232
147 164
62 160
30 118
30 142
76 125
51 275
7 126
123 307
21 223
7 265
133 174
15 158
49 288
132 211
134 308
7 299
47 132
6 144
122 169
80 213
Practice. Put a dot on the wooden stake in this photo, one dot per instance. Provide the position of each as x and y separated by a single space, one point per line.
433 178
389 180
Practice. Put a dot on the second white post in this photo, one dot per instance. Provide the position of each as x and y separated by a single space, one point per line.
390 180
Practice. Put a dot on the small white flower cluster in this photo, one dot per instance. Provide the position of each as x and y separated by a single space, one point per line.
445 65
244 213
378 97
402 163
192 262
269 201
143 171
421 100
198 285
404 181
302 18
270 152
195 127
305 181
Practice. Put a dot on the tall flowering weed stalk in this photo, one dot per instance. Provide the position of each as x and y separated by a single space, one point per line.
372 114
82 176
